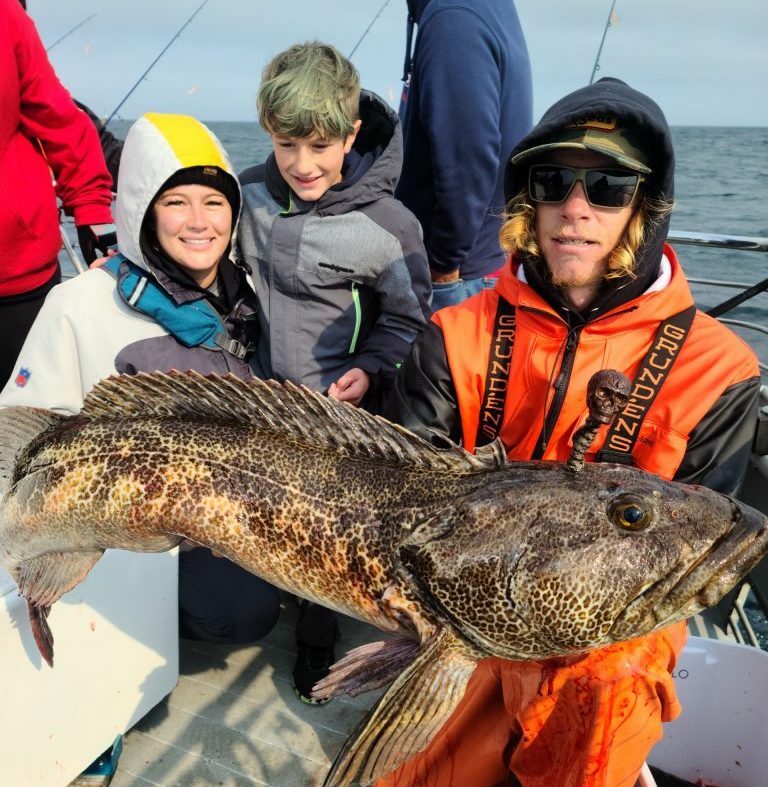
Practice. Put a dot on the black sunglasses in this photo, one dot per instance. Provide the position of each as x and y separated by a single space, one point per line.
605 188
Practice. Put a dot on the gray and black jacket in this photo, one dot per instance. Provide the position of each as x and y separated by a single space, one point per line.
342 282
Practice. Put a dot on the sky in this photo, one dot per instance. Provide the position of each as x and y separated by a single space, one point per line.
704 61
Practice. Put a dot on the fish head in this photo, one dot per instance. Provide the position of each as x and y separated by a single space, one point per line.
542 561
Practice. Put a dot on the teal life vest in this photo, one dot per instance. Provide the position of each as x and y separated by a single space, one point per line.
193 324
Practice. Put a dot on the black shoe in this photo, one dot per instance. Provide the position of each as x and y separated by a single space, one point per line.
312 665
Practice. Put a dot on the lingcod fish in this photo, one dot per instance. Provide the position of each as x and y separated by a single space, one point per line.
460 556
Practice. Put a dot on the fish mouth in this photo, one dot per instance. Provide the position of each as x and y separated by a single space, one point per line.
689 588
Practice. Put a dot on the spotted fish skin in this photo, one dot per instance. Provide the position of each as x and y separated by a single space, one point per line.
464 556
310 494
314 521
520 560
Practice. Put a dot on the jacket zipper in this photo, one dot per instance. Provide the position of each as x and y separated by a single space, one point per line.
561 388
358 319
562 382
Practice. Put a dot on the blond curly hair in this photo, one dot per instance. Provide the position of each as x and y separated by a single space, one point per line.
518 232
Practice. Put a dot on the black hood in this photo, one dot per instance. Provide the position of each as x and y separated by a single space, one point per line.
369 174
608 96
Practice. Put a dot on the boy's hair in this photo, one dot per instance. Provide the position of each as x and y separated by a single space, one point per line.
310 88
518 233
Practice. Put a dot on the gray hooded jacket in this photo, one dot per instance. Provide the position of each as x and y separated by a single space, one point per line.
342 282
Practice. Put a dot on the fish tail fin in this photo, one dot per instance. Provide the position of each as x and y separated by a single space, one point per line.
41 631
19 426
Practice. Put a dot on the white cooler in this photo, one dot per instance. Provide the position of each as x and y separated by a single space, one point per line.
116 655
722 735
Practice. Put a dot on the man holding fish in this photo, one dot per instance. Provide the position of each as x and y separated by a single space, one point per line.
513 589
590 284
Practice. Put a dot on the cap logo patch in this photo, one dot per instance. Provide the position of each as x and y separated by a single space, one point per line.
22 378
596 122
212 171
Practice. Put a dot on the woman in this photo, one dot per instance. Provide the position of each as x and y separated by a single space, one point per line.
172 298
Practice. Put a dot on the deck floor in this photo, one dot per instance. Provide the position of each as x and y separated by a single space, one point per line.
234 720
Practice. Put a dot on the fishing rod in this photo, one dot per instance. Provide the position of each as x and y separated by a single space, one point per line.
77 263
596 67
69 32
152 64
367 29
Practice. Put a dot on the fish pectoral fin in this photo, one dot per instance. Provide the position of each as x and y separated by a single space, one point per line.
366 668
408 716
44 579
41 631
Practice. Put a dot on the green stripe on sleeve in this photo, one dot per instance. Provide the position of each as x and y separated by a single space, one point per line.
358 318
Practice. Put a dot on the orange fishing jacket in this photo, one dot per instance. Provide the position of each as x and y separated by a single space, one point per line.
547 357
587 721
583 722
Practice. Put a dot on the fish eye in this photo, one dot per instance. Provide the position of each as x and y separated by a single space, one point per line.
630 512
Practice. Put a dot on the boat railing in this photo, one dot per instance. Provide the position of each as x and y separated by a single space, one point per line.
747 290
743 613
713 240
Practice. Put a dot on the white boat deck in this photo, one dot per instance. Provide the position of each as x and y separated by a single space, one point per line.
234 719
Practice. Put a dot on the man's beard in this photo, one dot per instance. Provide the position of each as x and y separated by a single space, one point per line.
575 278
572 277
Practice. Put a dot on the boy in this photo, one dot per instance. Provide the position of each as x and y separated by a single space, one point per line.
338 264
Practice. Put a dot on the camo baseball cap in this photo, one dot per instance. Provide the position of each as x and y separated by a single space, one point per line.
600 134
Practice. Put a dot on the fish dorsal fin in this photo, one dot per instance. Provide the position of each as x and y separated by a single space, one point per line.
493 455
285 408
18 427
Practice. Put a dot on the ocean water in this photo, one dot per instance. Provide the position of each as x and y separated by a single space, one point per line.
721 187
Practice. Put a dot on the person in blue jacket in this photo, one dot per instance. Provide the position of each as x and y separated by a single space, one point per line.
467 101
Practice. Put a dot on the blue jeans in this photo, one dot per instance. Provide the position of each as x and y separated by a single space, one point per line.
453 292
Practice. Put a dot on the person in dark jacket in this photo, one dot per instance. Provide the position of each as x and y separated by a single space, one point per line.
466 102
338 263
591 284
111 146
